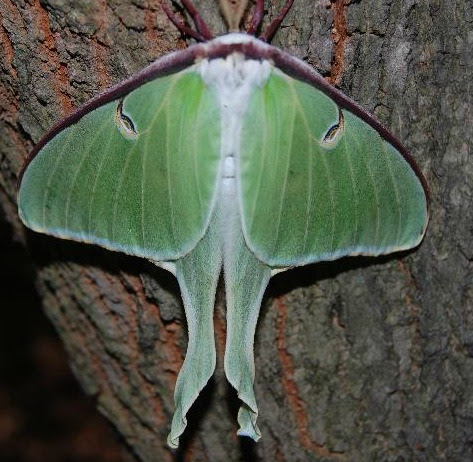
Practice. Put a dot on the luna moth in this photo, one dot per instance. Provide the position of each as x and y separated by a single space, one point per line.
232 156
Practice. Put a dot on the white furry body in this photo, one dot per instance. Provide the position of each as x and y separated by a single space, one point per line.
232 80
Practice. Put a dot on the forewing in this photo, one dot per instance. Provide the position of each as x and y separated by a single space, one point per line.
138 175
317 182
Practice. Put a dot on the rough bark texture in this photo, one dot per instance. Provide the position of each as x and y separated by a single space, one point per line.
356 360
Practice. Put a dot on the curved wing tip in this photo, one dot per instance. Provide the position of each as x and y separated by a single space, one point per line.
178 426
177 429
247 420
173 441
250 433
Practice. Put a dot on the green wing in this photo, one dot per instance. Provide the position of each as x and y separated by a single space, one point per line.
318 183
138 175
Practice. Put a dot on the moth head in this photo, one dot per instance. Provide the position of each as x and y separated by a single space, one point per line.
233 11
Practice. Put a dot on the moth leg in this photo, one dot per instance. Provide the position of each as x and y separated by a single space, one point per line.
257 17
273 27
181 25
200 24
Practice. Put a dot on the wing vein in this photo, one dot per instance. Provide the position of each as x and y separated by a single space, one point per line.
119 188
168 177
286 176
373 183
309 177
143 184
195 155
332 198
97 176
261 169
354 189
50 177
396 191
85 154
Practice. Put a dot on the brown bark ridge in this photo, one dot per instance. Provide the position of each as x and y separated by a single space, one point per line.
356 360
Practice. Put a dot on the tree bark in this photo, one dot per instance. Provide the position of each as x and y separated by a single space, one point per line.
357 360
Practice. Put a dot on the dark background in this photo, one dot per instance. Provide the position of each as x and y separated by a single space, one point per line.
44 414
